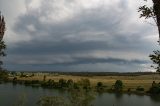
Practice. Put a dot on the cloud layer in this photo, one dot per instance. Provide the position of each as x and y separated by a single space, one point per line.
73 35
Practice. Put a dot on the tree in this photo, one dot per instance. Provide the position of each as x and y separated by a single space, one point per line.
152 12
2 44
156 60
3 73
118 86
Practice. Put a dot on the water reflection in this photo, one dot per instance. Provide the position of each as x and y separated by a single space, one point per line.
102 99
155 98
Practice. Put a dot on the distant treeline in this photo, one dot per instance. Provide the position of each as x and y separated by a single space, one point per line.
93 73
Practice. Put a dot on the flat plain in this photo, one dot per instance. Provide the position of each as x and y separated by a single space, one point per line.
130 81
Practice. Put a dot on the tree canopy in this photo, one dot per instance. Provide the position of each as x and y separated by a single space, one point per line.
2 44
151 12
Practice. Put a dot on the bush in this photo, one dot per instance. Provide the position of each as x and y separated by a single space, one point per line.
70 83
85 83
76 86
62 83
99 84
100 87
118 86
155 89
3 75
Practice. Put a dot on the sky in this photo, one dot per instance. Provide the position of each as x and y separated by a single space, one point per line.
77 35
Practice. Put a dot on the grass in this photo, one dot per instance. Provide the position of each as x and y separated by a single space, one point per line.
131 82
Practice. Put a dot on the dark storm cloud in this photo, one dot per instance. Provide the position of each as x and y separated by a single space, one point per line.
56 38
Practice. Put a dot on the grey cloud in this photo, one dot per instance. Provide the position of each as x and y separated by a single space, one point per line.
88 30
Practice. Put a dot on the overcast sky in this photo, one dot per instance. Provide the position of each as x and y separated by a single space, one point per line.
77 35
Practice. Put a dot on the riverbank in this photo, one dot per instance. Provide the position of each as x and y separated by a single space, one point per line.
137 84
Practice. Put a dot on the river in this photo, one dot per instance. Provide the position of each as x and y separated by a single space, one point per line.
10 94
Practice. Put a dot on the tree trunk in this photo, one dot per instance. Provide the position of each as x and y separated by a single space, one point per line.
156 7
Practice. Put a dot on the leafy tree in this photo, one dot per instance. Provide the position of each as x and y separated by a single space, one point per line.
151 12
118 86
99 84
100 87
2 44
155 89
85 83
156 60
3 73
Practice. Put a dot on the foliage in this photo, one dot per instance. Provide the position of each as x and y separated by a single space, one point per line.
52 101
118 86
151 12
99 84
155 89
3 75
62 83
147 12
156 59
75 98
85 83
81 97
70 83
2 44
99 87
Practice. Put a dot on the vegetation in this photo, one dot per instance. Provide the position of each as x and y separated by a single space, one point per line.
156 60
3 73
75 97
2 44
155 89
152 12
52 101
118 86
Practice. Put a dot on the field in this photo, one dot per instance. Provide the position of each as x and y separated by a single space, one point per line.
130 81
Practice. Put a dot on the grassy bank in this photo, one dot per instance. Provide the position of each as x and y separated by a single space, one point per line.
131 82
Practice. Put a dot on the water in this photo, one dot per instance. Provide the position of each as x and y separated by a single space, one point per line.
10 94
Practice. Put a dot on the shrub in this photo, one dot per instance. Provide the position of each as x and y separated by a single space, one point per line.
99 84
62 83
85 83
155 89
70 83
76 86
118 86
100 87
